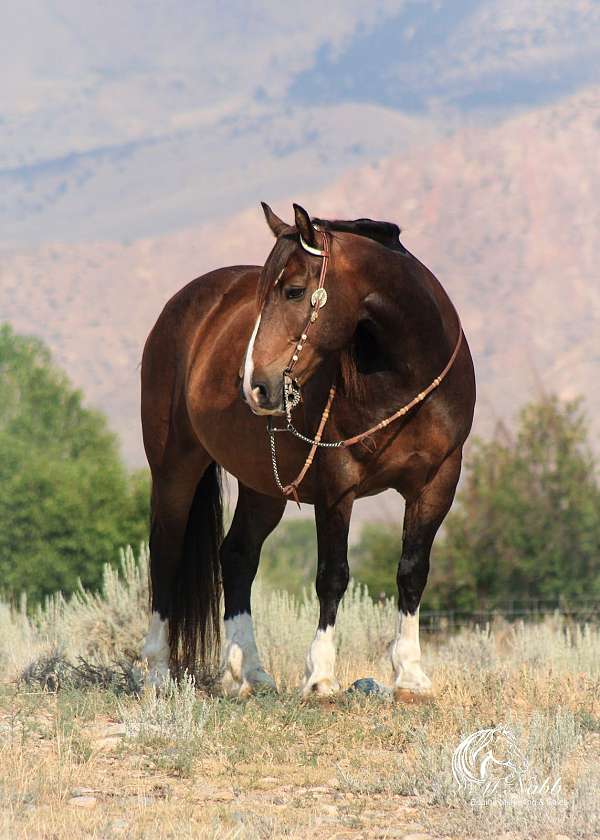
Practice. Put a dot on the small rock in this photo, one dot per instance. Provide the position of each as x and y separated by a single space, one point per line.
317 789
110 743
114 730
82 791
214 794
369 685
83 801
118 826
144 799
326 819
223 795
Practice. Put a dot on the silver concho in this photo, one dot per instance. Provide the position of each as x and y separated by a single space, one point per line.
319 296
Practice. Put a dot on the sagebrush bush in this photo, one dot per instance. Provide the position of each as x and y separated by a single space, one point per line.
173 715
107 628
540 680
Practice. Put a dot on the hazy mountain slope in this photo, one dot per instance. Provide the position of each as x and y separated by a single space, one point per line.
128 120
507 217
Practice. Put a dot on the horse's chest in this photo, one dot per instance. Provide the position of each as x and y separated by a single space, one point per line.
401 470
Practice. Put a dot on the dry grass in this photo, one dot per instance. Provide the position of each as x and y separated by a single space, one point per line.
82 756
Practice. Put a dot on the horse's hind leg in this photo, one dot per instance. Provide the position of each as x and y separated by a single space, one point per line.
173 492
422 518
255 517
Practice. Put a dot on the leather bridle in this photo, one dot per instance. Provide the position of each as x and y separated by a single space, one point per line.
291 389
318 300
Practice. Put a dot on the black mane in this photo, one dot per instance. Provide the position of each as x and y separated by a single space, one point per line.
386 233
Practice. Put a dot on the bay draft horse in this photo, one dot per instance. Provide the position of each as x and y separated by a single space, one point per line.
348 334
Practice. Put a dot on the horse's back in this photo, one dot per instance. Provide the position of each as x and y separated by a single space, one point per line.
195 300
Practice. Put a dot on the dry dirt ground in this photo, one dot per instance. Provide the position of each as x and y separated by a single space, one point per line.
90 763
83 756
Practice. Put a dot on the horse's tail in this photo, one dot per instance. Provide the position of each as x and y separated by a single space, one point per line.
195 614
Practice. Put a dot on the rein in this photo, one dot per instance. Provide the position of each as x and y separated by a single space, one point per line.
291 390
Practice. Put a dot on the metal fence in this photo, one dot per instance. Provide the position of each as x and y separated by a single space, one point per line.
533 609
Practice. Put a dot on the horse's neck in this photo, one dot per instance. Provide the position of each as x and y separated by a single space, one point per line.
408 324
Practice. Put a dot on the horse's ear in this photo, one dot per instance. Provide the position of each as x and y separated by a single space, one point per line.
276 224
304 225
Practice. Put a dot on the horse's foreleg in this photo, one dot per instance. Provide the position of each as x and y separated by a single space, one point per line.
255 517
333 520
422 518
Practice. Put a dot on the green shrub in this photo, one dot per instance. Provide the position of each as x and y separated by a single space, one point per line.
67 502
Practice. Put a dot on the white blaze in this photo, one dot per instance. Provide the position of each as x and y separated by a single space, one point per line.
406 654
249 365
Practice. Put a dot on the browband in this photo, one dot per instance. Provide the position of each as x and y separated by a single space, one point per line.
315 251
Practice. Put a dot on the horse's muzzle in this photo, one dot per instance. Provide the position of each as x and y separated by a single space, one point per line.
264 399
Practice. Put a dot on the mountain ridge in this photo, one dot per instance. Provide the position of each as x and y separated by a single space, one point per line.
506 217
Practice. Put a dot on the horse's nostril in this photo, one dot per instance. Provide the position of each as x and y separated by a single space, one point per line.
260 392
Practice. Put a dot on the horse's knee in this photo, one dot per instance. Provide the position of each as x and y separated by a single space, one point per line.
407 564
332 581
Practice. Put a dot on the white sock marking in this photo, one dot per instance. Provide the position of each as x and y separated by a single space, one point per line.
156 649
406 654
249 366
320 663
242 668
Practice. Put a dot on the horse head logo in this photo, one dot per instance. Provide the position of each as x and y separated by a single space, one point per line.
489 757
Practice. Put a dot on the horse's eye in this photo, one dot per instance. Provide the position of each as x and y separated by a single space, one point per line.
294 292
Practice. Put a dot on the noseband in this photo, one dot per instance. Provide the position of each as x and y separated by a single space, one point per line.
291 389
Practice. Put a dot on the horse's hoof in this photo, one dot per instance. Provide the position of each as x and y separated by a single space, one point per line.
321 689
255 683
259 688
412 696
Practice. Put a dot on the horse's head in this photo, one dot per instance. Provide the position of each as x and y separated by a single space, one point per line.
287 336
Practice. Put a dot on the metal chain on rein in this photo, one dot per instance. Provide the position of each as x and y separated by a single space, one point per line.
291 398
274 455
